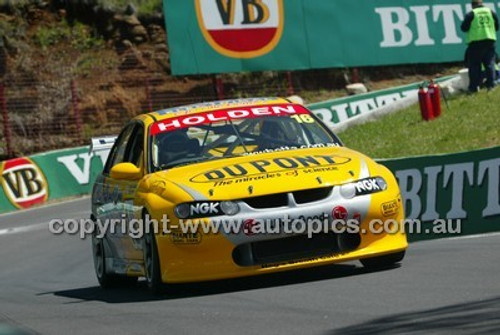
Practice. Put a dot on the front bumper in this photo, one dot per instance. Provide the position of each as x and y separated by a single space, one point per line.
214 256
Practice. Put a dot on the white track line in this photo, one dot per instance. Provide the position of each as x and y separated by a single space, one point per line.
465 237
44 206
15 230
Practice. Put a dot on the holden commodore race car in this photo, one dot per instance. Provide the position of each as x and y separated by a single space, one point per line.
235 188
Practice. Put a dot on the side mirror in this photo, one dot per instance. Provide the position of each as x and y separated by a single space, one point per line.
126 171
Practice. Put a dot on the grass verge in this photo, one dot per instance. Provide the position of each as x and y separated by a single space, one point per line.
471 122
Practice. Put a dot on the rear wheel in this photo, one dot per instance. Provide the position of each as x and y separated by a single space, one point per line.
382 262
105 279
152 263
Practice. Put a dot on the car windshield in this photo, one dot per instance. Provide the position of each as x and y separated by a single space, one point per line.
227 133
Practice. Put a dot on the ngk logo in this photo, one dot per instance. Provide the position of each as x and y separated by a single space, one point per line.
241 28
366 185
24 183
204 208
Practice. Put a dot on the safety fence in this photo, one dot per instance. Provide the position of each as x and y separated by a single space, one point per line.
62 107
66 111
462 187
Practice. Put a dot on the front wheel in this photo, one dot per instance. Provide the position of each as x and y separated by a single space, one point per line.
382 262
152 263
105 279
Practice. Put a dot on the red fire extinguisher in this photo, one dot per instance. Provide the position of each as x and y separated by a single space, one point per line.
435 95
425 102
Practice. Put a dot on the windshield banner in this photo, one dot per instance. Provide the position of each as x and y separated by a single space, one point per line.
186 121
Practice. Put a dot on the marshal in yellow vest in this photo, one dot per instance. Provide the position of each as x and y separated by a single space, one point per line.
482 26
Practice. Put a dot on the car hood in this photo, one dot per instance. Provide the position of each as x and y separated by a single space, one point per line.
268 173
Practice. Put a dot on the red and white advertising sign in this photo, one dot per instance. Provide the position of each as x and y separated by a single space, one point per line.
24 183
241 28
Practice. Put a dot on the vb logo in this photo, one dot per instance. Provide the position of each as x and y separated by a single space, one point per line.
23 183
241 28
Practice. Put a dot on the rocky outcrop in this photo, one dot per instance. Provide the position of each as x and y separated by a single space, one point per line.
128 27
118 23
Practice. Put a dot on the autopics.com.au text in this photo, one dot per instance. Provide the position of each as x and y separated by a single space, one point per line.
136 228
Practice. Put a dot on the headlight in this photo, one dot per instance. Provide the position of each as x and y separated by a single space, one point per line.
348 191
381 183
229 207
362 187
182 211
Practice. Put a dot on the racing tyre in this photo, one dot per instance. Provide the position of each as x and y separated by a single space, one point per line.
152 263
383 262
105 279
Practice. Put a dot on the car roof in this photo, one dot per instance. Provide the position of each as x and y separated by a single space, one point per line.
214 105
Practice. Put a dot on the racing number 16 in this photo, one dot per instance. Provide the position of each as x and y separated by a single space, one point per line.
303 118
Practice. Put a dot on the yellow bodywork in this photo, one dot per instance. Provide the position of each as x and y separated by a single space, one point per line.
196 257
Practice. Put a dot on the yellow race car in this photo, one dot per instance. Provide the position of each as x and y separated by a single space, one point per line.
235 188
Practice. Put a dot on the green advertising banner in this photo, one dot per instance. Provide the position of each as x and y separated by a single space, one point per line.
217 36
34 180
462 189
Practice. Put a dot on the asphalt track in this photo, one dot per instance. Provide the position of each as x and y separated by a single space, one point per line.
47 286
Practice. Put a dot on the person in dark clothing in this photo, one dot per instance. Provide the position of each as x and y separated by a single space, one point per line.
481 25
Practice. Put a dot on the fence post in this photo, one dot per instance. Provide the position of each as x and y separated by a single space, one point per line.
219 87
6 122
289 79
76 109
148 96
355 75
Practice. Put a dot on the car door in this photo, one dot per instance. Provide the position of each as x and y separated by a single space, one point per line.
117 197
104 195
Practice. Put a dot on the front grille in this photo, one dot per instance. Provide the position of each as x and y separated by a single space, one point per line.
315 194
267 201
293 248
281 199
